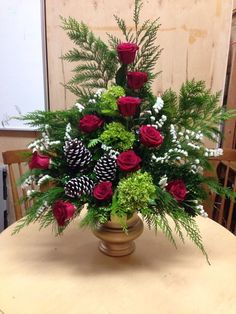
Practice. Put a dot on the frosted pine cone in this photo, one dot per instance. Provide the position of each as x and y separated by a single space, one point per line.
105 169
77 155
78 186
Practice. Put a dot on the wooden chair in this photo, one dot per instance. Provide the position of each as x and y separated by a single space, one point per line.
17 164
219 208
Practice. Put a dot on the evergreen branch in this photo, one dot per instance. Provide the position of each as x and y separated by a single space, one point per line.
122 26
113 41
159 221
83 94
191 228
196 109
217 188
137 9
97 59
149 52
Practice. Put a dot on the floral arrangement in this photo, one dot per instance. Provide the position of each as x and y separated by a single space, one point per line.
120 149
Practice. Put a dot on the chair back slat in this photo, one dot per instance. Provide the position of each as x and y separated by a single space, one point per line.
15 194
222 205
220 208
15 160
15 156
231 208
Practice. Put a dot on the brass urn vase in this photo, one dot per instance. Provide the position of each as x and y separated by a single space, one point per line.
116 242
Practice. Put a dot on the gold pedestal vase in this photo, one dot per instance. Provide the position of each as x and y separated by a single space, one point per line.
116 242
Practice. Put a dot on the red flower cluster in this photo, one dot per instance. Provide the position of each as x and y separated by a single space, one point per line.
177 189
136 80
63 211
150 137
39 161
127 52
128 161
103 191
128 105
90 123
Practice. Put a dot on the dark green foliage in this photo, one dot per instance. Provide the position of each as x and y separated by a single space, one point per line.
99 63
196 108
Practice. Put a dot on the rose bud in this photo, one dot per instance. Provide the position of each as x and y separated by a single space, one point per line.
128 161
136 80
103 191
63 211
90 123
39 161
126 52
177 189
149 136
128 105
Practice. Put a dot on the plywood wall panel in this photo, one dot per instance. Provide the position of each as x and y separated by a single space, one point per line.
194 34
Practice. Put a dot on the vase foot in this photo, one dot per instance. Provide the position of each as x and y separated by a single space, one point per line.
116 249
114 241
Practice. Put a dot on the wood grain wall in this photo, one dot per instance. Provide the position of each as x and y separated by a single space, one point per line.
194 34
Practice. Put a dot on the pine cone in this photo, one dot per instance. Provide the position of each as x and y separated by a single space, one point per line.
77 155
105 169
78 186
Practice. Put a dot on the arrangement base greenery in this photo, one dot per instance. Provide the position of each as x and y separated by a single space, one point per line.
114 241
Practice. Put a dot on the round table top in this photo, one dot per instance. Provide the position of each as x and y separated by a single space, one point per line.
41 273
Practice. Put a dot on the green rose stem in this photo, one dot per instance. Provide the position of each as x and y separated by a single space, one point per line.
121 75
128 122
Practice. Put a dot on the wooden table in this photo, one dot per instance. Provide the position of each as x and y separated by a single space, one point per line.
41 274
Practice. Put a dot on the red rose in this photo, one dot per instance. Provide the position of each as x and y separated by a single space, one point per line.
137 79
63 211
39 161
127 52
177 189
149 136
103 191
90 123
128 161
128 105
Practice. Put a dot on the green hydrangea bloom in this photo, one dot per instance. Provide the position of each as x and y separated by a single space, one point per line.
117 137
135 192
109 98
